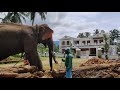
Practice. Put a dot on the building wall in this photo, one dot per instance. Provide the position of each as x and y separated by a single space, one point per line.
92 44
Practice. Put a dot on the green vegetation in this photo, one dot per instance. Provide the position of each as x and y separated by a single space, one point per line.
41 48
118 48
83 35
106 46
114 34
45 61
17 17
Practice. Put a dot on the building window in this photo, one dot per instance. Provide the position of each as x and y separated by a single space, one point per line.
63 42
95 41
100 41
83 42
68 42
88 42
76 42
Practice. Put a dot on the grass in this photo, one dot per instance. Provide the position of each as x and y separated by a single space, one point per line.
45 61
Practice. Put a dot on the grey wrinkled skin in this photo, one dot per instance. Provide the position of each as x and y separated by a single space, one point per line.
16 38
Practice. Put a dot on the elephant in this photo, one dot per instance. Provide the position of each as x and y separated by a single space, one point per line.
17 38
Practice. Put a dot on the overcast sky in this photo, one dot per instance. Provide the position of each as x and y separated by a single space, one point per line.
72 23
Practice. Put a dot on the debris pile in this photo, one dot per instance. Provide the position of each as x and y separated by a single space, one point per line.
92 68
28 72
97 61
98 68
9 60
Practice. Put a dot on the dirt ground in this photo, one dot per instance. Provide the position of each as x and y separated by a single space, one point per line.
92 68
98 68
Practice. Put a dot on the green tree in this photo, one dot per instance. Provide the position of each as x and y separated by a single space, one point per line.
106 46
15 17
41 48
33 15
114 34
87 34
56 48
81 35
118 48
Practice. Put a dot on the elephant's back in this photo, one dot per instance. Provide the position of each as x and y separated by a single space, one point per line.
10 40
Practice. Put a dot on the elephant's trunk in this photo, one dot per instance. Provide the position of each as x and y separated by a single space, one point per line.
50 46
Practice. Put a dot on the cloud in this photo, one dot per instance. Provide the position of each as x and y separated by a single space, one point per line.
72 23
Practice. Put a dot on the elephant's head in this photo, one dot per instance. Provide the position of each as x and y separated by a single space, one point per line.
45 37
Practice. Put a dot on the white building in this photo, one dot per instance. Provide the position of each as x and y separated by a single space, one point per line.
86 46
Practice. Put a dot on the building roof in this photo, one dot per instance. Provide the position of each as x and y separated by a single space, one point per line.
66 37
100 35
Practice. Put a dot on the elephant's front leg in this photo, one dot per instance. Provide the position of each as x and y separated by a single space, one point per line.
30 48
34 59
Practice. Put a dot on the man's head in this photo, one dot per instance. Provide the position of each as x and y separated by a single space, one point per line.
67 51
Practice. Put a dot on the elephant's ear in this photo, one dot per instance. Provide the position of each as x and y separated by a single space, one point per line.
47 35
46 32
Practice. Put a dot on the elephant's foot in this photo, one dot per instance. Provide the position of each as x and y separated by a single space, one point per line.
41 70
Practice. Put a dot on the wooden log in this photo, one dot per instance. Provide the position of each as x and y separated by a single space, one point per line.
98 67
25 69
24 75
8 75
30 68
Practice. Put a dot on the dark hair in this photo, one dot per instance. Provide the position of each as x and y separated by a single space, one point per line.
67 51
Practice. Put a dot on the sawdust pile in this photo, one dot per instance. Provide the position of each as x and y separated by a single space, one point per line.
98 61
98 68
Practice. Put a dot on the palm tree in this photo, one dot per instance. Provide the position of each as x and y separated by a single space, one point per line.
15 17
33 15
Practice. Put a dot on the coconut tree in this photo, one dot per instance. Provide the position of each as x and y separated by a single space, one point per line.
15 17
33 15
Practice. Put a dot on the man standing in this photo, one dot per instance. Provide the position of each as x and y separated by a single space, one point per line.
68 63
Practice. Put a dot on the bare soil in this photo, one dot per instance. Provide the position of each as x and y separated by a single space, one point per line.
92 68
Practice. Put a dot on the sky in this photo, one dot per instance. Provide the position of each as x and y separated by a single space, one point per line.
73 23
